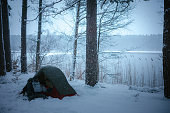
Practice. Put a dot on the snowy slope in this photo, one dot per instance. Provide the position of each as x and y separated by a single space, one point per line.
103 98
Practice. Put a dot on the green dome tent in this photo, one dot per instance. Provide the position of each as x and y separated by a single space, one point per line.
48 81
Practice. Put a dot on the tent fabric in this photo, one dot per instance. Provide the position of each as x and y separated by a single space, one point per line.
55 82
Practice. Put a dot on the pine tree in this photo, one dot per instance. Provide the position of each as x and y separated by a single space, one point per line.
91 44
6 35
166 49
23 37
39 36
2 53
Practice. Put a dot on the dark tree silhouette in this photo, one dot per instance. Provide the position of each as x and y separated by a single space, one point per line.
23 37
6 34
166 49
91 44
39 37
2 53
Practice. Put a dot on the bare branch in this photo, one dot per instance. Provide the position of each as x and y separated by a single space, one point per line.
54 13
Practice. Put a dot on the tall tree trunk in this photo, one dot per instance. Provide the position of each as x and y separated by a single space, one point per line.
99 38
2 52
39 37
99 30
91 44
23 37
166 49
99 34
6 35
75 40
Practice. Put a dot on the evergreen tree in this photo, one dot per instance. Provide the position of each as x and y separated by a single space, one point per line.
91 44
23 37
166 49
6 34
39 37
2 53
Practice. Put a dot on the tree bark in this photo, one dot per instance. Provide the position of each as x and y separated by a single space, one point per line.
2 52
6 35
99 31
91 44
39 37
98 40
166 49
23 37
75 40
99 34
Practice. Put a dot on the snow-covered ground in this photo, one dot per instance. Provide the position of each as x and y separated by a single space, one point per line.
103 98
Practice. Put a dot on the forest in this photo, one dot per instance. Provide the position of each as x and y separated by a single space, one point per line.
79 56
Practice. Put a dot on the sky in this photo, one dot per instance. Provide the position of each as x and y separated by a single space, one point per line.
148 18
146 15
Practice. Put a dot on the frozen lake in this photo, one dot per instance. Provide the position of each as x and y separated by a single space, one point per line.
140 68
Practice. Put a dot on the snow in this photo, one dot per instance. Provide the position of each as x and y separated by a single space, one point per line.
142 52
58 53
103 98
